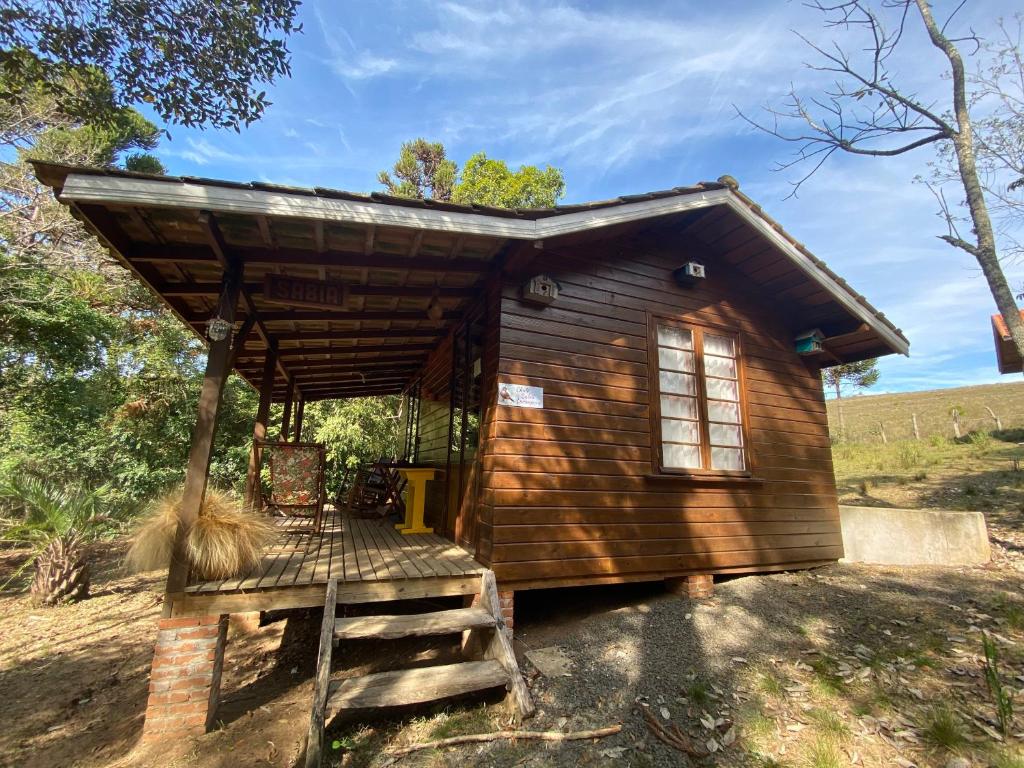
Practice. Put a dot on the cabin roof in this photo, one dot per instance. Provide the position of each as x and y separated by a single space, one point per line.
397 255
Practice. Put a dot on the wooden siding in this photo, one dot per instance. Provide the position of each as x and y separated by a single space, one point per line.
568 492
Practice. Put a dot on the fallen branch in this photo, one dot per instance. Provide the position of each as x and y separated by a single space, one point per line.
474 738
673 736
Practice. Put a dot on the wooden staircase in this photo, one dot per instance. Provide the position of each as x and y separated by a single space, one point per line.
490 661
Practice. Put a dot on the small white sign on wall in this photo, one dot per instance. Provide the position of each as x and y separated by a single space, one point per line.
520 395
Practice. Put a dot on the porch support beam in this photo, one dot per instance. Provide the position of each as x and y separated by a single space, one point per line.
197 474
300 407
259 432
224 254
289 398
238 344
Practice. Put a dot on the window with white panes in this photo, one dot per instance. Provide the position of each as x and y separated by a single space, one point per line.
700 415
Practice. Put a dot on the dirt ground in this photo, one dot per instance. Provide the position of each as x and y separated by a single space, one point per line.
845 665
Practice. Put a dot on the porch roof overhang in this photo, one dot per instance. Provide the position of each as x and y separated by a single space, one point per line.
396 256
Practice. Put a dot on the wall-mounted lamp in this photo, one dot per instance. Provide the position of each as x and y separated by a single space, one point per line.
435 311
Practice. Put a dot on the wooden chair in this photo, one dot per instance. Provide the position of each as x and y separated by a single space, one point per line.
296 480
376 490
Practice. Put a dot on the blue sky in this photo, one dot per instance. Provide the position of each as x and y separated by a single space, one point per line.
625 97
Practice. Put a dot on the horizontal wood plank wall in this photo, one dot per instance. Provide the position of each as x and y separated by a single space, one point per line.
569 495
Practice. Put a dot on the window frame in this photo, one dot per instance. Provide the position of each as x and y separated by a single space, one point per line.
698 329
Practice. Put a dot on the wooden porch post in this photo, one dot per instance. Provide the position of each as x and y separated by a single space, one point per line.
286 420
259 432
300 406
218 366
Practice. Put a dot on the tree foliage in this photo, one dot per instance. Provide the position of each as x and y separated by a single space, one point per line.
860 375
423 170
486 181
98 384
870 110
197 63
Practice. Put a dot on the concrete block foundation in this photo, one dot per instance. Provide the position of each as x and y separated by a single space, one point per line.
888 536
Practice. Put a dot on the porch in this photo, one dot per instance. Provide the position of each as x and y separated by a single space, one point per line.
370 560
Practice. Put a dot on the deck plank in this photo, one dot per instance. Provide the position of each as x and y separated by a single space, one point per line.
414 545
349 549
396 560
364 557
378 559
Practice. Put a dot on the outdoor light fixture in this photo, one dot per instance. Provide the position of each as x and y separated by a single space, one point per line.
218 329
434 309
689 274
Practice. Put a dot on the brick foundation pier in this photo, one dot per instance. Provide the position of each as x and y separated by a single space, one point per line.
184 687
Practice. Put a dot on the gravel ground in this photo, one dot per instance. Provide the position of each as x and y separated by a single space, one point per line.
846 665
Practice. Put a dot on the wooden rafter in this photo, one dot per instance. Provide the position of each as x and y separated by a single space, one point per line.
420 291
198 254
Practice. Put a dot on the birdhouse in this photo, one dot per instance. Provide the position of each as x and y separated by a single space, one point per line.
540 290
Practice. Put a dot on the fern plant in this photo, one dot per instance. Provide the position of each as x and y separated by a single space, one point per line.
57 524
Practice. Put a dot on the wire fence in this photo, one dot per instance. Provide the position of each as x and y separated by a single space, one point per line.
953 414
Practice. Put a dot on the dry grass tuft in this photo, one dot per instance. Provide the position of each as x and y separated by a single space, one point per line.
153 538
227 540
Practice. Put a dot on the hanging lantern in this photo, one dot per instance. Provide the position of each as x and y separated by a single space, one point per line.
218 329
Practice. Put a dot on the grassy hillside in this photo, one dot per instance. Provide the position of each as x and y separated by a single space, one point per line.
864 418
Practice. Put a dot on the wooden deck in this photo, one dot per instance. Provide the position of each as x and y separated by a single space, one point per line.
369 558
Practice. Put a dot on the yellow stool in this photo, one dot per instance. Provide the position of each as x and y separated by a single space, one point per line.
416 477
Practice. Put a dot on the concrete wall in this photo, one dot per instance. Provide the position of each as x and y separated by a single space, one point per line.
890 536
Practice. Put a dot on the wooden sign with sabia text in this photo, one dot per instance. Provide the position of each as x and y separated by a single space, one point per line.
301 292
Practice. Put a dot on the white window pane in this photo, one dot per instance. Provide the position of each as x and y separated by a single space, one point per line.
679 431
721 411
677 383
720 366
681 456
727 458
725 434
718 345
679 407
675 359
675 337
721 389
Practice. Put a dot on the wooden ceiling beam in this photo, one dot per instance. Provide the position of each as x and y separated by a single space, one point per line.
298 366
310 378
418 291
353 350
349 386
350 396
200 254
355 386
296 316
366 333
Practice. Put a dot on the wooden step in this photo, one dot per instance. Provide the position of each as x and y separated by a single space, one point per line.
414 624
414 686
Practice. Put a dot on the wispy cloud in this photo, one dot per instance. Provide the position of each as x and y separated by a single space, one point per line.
346 59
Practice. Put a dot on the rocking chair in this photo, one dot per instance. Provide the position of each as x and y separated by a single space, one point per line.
296 480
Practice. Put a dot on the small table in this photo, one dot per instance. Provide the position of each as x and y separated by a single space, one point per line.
416 477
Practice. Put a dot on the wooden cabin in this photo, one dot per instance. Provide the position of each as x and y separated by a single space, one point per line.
616 391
